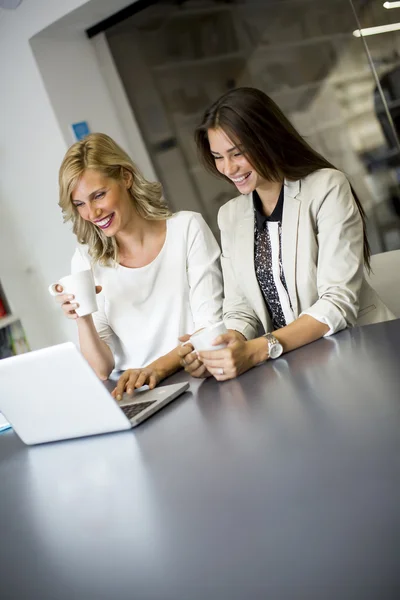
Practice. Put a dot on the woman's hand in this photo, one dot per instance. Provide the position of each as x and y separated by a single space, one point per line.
238 357
190 360
135 378
67 302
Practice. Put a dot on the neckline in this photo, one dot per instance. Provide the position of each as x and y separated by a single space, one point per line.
275 216
155 259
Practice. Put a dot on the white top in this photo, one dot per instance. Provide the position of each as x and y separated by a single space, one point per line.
273 228
143 311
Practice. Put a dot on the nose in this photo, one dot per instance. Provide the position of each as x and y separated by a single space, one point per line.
94 213
230 168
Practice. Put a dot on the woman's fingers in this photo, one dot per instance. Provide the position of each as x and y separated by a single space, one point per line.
152 381
131 383
190 358
184 350
184 338
207 355
187 356
69 309
195 364
63 298
220 375
133 379
120 387
142 378
201 371
191 363
215 363
67 304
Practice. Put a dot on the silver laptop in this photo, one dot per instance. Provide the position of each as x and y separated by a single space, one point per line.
53 394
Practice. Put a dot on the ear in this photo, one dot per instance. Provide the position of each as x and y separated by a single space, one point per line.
127 178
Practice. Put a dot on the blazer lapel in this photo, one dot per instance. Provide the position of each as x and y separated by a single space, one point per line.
244 258
290 222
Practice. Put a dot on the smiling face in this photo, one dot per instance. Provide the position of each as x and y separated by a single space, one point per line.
103 201
231 162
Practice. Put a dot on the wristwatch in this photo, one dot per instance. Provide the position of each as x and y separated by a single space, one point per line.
275 348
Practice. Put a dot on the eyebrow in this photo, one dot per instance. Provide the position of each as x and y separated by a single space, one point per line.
91 195
230 150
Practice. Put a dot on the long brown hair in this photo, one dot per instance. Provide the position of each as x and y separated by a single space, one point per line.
270 142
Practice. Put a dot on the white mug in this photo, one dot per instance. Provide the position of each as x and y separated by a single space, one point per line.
82 286
203 339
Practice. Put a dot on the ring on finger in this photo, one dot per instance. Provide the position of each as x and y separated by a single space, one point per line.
220 371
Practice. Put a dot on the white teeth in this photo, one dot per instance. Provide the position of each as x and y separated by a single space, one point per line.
104 221
240 179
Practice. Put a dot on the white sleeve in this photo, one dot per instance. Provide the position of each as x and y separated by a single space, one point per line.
204 273
321 319
106 334
80 262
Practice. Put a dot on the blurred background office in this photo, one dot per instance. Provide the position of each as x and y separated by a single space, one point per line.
143 72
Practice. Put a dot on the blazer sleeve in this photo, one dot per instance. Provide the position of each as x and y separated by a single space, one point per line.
238 314
340 267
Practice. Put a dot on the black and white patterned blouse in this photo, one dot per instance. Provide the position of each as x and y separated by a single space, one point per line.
268 262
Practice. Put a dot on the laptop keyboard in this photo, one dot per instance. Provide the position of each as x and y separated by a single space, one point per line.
131 410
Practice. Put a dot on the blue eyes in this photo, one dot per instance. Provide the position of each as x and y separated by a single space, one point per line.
99 195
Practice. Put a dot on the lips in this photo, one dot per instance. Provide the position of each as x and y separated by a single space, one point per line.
240 180
106 222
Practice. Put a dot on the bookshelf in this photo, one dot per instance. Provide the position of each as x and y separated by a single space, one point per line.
12 336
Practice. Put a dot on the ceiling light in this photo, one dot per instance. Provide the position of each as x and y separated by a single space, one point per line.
376 30
391 4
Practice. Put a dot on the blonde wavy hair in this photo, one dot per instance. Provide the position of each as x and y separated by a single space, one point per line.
99 152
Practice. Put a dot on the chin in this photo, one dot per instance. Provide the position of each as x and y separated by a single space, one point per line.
108 232
245 190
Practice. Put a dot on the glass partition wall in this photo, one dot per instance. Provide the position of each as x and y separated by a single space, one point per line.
175 57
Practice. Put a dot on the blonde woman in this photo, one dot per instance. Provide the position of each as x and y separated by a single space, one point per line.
157 273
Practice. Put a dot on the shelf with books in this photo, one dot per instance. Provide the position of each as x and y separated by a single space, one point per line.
12 338
8 320
12 335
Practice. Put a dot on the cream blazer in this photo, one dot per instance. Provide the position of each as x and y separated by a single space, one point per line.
322 255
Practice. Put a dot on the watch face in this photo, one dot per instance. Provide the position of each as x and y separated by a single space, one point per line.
275 350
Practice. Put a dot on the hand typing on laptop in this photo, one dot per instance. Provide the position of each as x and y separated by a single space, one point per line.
82 406
132 379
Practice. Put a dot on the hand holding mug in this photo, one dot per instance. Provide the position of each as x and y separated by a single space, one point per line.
76 294
236 358
190 360
192 345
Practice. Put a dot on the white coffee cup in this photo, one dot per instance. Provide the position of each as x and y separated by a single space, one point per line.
203 339
82 286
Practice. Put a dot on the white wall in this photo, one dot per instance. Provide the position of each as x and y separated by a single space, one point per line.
35 247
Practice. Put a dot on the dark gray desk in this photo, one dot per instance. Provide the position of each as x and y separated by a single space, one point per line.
281 484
